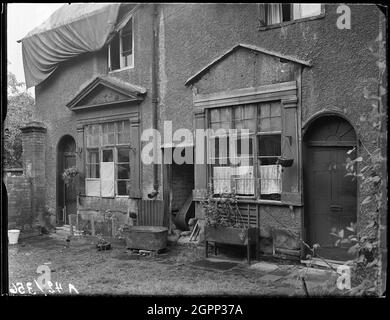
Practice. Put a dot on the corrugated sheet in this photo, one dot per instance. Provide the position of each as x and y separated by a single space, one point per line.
151 213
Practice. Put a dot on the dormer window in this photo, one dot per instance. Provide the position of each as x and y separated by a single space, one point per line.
121 49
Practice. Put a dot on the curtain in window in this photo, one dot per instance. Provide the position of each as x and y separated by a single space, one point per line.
243 180
107 179
271 179
304 10
274 13
92 188
222 179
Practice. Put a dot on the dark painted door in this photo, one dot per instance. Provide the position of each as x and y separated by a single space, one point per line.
330 200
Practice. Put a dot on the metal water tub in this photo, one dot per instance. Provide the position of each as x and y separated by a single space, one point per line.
146 237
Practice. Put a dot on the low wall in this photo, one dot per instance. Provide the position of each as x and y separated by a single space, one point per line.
19 192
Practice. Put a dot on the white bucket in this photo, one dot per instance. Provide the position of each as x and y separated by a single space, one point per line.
13 236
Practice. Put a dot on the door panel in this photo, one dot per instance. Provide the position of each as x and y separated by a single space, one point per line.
330 199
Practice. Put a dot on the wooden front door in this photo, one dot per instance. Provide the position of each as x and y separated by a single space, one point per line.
330 195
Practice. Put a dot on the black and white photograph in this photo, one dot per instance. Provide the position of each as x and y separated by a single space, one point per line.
194 150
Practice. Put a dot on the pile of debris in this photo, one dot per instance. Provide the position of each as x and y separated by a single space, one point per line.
192 236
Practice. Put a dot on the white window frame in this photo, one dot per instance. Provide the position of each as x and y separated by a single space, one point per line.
114 148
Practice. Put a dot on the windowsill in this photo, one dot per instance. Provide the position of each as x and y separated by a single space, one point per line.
287 23
265 202
122 69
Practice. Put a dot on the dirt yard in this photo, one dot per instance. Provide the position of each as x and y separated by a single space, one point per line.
77 267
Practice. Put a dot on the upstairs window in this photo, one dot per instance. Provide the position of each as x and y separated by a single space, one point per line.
121 49
276 13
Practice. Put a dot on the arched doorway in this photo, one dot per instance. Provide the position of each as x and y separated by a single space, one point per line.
330 195
66 194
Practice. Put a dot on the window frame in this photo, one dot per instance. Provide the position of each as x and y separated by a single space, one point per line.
253 136
120 32
114 147
266 26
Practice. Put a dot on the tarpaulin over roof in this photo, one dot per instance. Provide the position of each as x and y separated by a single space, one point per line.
71 30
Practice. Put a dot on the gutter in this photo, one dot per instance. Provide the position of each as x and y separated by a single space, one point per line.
155 191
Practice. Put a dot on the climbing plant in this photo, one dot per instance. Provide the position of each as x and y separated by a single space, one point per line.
369 168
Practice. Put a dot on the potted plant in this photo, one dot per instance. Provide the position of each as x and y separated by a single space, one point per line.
285 162
69 175
224 223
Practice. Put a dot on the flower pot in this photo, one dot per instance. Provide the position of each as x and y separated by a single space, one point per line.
284 162
13 236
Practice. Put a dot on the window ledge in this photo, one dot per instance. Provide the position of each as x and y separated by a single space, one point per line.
122 69
287 23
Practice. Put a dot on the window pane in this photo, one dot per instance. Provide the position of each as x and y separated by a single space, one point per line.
269 145
303 10
123 131
93 156
250 112
123 171
93 135
123 188
214 115
264 110
265 125
270 180
109 133
242 146
108 156
126 44
225 114
222 179
114 53
93 171
276 124
286 10
274 13
123 154
221 149
275 109
243 181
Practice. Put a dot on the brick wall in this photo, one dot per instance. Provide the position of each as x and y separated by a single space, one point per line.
20 215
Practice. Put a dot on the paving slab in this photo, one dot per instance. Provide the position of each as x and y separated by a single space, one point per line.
264 266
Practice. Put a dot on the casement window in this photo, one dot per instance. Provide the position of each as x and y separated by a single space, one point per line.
276 13
121 48
108 159
258 173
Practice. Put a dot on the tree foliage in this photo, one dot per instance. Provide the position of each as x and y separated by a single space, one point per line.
19 112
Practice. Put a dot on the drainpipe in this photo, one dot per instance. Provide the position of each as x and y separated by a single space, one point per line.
154 193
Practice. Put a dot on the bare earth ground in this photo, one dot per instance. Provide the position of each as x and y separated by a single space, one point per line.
117 272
